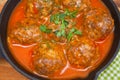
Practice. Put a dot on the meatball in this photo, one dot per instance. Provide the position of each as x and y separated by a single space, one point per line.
48 58
98 24
76 4
25 34
39 7
82 53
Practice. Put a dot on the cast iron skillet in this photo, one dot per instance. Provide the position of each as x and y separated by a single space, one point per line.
5 52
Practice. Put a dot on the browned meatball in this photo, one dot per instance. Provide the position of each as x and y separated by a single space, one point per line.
76 4
39 7
98 24
25 34
82 53
48 58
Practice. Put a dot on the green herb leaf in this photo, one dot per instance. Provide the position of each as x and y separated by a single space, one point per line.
58 33
71 14
52 18
62 16
43 28
63 33
64 23
48 31
67 12
70 34
77 32
73 32
55 19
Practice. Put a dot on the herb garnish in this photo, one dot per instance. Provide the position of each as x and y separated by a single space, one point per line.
57 18
43 28
61 20
72 32
71 14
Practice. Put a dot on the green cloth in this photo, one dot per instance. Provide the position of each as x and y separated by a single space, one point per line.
112 72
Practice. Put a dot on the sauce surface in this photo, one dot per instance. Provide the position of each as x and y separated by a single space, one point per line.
55 47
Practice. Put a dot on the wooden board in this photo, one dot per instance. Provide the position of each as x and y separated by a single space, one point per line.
9 73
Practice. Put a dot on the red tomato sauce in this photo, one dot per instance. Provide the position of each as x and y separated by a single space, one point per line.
23 53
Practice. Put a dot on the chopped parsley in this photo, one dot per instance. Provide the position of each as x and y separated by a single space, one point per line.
73 32
57 18
61 20
71 14
44 29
